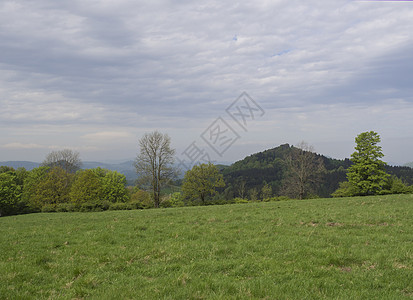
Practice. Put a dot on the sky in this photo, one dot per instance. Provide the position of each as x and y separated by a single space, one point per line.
224 79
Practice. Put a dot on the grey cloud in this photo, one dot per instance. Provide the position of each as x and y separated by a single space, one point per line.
160 63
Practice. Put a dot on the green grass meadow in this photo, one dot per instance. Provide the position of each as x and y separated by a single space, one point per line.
350 248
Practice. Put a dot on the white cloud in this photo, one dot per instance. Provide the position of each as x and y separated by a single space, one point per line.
21 146
107 135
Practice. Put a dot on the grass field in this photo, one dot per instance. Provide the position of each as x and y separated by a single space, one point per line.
352 248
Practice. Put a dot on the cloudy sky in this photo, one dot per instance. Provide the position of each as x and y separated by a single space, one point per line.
94 76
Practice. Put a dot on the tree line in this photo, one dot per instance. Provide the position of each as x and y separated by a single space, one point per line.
60 184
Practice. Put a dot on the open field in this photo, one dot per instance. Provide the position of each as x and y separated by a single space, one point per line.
352 248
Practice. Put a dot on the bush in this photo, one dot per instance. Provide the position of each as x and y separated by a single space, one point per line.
240 200
346 189
65 207
105 205
398 186
177 200
49 208
135 205
166 202
279 198
222 202
142 197
119 206
90 206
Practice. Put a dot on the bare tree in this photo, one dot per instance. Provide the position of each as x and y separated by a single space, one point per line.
241 188
66 159
154 162
304 170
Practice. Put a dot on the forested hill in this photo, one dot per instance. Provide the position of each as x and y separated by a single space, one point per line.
410 164
269 167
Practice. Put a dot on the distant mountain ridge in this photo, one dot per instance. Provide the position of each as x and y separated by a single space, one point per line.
28 165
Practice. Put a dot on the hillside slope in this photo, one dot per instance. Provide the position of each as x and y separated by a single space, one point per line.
269 167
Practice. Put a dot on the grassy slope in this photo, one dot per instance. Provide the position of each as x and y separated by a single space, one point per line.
325 248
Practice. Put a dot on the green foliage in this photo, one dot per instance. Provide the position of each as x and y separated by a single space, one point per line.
141 198
270 166
346 189
201 181
120 206
49 208
65 207
266 191
52 187
177 200
279 198
90 207
253 193
352 248
31 187
86 188
57 188
10 192
367 174
114 187
397 186
172 200
165 202
239 200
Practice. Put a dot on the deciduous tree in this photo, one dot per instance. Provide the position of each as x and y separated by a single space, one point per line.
154 163
367 175
10 193
304 170
266 191
202 181
86 188
66 159
53 188
113 185
31 188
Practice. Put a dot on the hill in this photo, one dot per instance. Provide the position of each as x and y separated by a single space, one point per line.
28 165
349 248
127 168
269 167
410 165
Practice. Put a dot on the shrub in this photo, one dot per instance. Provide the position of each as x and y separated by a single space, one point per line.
240 200
398 186
105 205
135 205
90 206
142 197
119 206
177 200
166 202
65 207
49 208
346 189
